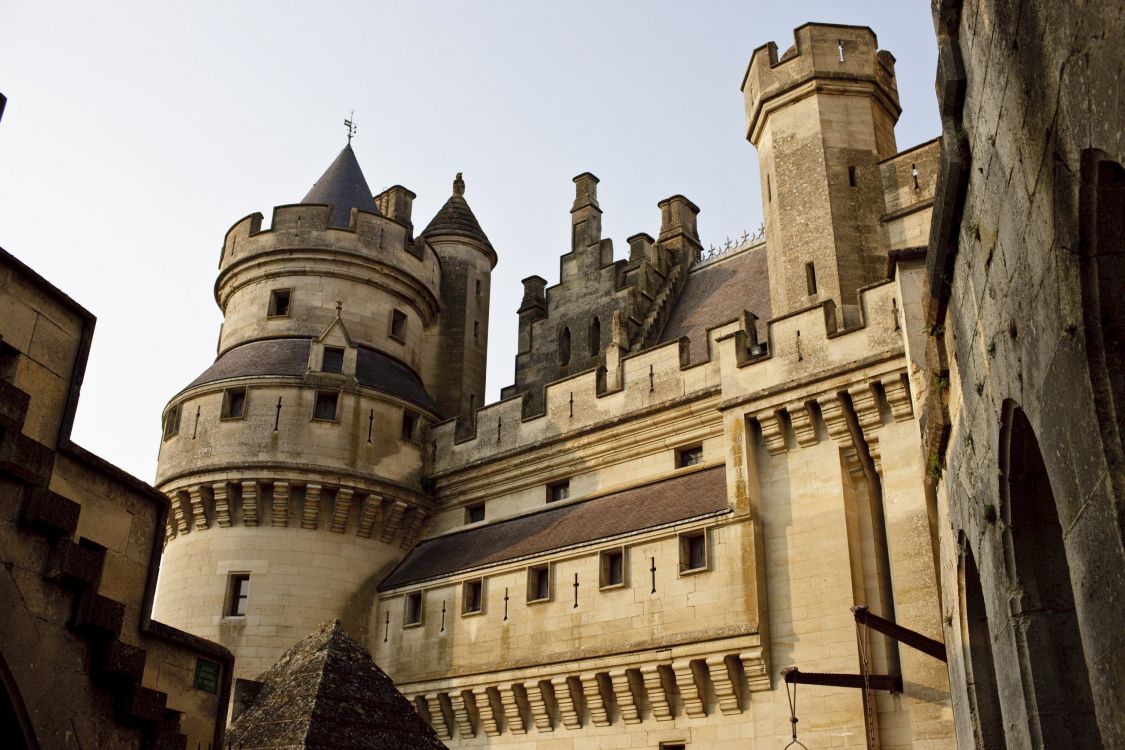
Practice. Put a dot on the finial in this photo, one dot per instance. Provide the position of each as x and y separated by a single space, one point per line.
339 307
349 123
458 185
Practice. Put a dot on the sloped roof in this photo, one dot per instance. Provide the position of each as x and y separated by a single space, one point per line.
455 217
717 292
290 357
344 187
326 692
680 498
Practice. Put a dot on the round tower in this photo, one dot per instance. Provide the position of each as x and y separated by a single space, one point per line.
822 117
467 260
294 462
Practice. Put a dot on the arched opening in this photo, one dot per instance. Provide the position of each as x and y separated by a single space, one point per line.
1053 664
1102 265
15 725
564 346
984 698
594 344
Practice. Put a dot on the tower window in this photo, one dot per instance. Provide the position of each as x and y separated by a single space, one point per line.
325 408
172 421
279 303
409 425
333 360
564 346
539 583
612 567
234 403
810 277
769 190
238 591
474 513
478 288
914 174
412 609
476 328
689 456
851 176
398 325
595 342
693 552
558 491
472 599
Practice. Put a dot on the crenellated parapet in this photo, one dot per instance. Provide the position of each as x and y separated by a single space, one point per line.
804 346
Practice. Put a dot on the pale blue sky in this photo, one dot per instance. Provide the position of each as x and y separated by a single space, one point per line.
137 133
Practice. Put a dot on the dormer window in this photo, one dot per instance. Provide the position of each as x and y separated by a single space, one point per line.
279 303
398 325
333 360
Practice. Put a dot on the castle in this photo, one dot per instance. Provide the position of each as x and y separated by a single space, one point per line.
831 465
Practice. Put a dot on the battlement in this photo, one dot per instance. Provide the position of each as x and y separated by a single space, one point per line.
802 345
822 53
305 227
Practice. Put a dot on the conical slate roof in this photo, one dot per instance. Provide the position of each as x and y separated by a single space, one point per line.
326 692
455 217
343 186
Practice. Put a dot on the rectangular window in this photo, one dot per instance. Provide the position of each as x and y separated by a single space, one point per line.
234 403
478 287
474 513
238 591
558 491
689 456
539 583
279 303
333 360
325 408
172 422
476 328
412 609
851 176
472 599
810 277
409 425
612 569
693 552
398 325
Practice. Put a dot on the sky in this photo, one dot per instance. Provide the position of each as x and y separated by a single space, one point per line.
137 133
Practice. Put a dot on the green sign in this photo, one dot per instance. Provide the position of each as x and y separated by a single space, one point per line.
207 675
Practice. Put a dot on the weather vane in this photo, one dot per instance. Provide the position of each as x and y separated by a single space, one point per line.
349 122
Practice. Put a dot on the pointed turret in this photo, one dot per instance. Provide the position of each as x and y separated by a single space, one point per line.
344 187
456 218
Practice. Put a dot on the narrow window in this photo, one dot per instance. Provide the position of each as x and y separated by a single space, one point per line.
612 569
398 325
672 746
851 176
472 404
234 403
539 583
279 303
689 456
478 288
474 513
172 422
769 190
564 346
326 405
693 551
471 599
476 329
810 277
558 491
238 591
333 359
412 609
840 47
595 342
409 425
914 174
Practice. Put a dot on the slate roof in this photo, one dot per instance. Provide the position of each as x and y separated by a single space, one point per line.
717 292
324 693
455 217
677 499
344 187
290 357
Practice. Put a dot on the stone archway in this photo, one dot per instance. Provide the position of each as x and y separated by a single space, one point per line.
980 668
